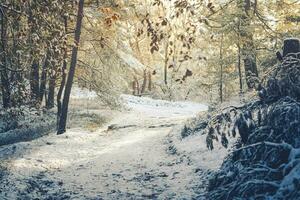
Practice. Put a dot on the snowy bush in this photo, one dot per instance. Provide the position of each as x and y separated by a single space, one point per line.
265 163
9 118
23 123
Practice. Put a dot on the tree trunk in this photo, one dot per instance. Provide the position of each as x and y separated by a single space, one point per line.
166 64
240 69
248 48
63 77
51 93
221 70
250 70
34 71
239 59
144 82
64 114
44 79
136 85
34 81
5 86
149 81
133 88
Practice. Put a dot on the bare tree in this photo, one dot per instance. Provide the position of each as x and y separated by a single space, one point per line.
5 86
44 77
149 81
221 69
65 105
63 77
144 86
248 47
34 71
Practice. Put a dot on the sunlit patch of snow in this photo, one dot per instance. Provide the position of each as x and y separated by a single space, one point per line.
163 108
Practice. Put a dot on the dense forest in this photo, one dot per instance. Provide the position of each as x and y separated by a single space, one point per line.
150 99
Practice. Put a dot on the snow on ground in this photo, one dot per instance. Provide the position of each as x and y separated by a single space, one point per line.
162 107
137 155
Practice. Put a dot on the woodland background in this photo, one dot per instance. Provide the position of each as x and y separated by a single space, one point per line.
215 52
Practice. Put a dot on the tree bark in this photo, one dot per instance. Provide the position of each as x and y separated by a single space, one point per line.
240 69
149 81
166 64
34 71
136 86
5 86
239 61
51 93
144 82
44 78
133 88
221 70
248 48
16 76
64 114
250 70
63 77
34 81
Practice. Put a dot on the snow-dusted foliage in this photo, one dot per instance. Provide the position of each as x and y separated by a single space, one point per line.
23 123
262 163
265 163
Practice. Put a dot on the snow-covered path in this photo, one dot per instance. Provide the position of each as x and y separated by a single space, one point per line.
136 156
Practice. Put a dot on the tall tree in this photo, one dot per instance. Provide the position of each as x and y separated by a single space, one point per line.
51 91
248 48
221 69
5 86
63 75
239 64
68 88
43 81
34 71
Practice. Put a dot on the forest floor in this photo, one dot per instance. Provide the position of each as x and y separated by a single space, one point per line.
138 154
